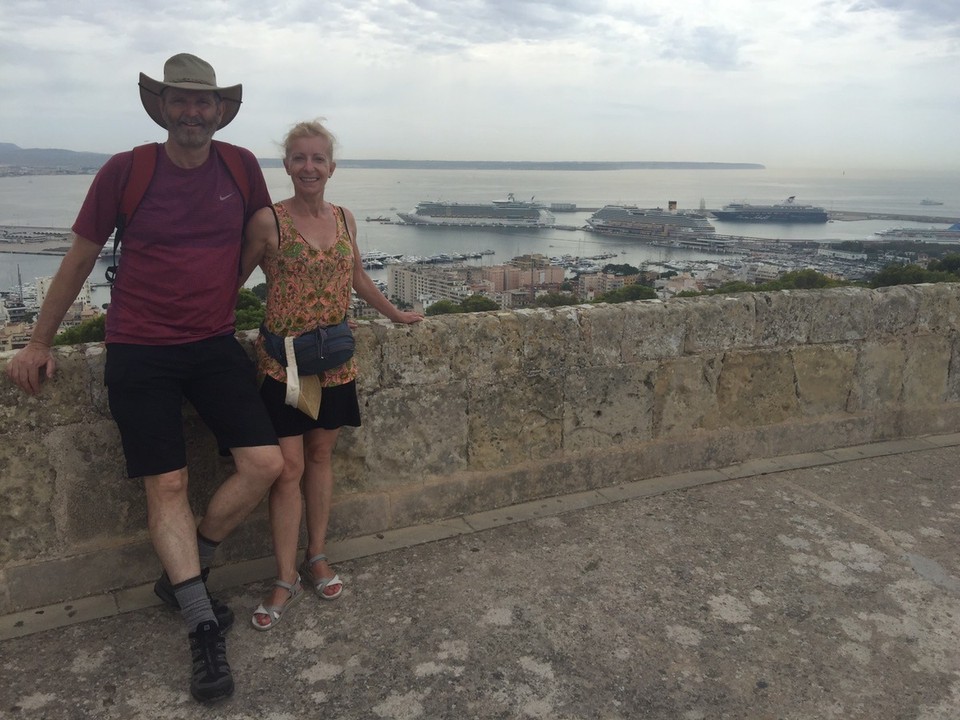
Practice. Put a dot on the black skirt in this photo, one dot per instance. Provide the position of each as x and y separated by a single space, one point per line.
338 407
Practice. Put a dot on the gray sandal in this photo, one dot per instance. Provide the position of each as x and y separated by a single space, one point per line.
306 570
275 612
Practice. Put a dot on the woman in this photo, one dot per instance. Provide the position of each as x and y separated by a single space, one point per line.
308 251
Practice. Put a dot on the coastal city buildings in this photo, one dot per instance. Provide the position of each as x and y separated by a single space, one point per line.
19 308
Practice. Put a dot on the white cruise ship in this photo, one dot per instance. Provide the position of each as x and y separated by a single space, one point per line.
648 224
509 213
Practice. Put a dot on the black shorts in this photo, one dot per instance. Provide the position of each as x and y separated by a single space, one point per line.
147 385
338 407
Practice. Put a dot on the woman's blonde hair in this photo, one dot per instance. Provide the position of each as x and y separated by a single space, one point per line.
308 128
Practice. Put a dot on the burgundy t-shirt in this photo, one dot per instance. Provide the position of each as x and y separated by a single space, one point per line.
180 254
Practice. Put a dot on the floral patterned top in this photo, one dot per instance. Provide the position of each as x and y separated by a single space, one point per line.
306 287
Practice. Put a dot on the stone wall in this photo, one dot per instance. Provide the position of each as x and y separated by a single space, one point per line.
472 412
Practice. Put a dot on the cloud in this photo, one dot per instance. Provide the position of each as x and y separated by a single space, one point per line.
869 81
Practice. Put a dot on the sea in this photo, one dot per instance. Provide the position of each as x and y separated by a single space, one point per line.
53 200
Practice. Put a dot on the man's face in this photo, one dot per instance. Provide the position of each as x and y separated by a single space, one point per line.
191 116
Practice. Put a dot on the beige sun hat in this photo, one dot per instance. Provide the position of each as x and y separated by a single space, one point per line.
188 72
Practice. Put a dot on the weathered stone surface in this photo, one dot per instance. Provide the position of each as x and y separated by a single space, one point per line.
926 368
755 388
824 377
464 413
719 323
653 330
508 424
414 432
784 318
842 315
608 407
685 394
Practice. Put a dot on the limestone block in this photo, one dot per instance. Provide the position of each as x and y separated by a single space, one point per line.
360 514
607 407
80 575
825 379
939 307
925 370
601 332
514 422
349 468
64 399
784 317
717 323
368 355
879 374
413 432
547 336
415 354
95 502
841 315
685 394
755 389
953 379
27 492
485 346
895 310
653 329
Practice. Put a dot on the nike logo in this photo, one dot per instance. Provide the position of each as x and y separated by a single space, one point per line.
224 197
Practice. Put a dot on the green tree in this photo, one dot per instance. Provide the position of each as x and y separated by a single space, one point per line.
626 294
555 299
91 330
948 263
444 307
250 310
478 303
621 269
260 291
805 279
899 274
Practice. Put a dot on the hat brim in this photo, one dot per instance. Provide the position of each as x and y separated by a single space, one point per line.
150 90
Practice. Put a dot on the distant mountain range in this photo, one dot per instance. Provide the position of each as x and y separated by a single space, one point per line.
50 159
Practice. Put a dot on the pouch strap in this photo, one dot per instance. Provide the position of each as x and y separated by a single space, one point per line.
293 376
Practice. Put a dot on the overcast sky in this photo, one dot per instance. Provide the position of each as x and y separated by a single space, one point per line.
786 83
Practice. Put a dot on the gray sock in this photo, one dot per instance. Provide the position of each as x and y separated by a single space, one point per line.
194 602
206 548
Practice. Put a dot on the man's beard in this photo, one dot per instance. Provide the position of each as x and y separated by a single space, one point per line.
190 136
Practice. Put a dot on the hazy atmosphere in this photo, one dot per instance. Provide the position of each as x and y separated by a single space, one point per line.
804 83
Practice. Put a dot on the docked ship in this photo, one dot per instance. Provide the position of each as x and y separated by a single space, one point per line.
509 213
786 212
649 224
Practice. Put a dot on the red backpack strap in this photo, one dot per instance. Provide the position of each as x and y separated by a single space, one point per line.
141 173
230 154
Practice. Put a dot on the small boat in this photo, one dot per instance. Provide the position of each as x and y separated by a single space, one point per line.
928 201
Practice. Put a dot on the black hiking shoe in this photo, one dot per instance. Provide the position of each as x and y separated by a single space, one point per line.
163 589
212 680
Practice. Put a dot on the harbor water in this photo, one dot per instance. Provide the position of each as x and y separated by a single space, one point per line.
52 201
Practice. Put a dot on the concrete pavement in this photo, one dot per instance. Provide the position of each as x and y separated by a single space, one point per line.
824 585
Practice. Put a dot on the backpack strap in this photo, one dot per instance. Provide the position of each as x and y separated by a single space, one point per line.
141 173
230 154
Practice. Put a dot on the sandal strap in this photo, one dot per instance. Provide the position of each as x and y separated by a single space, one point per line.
316 558
289 587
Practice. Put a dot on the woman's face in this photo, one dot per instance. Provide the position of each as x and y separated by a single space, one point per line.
309 163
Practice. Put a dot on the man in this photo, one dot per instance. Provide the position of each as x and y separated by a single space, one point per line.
170 335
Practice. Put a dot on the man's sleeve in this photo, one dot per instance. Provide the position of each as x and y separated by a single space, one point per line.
98 214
